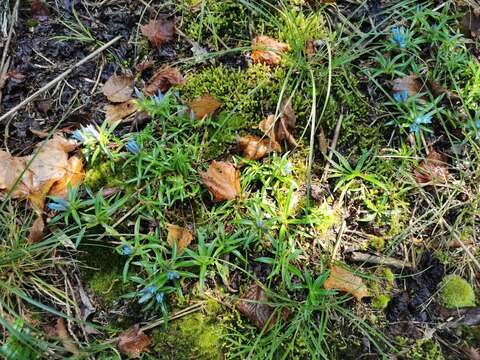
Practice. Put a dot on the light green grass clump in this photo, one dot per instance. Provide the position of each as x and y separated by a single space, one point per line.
456 292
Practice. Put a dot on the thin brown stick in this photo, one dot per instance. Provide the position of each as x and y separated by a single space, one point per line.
4 68
58 79
338 127
379 260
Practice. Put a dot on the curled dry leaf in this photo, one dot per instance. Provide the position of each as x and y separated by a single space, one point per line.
254 148
409 83
40 10
471 22
133 342
36 231
118 88
119 112
159 31
222 180
179 235
279 130
163 79
74 175
50 166
343 280
204 105
266 50
254 306
433 169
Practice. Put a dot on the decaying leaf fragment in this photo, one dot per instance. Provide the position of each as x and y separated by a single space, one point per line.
266 50
50 170
119 111
118 88
159 31
343 280
163 79
280 129
179 235
222 180
433 169
471 22
254 306
204 105
255 148
408 84
65 338
133 342
36 231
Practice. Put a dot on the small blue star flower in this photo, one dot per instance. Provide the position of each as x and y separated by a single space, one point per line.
173 275
58 204
158 98
159 297
127 250
133 147
147 294
420 120
260 224
77 135
92 131
287 168
398 38
401 96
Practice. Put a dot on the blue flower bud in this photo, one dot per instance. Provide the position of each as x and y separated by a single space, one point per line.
133 147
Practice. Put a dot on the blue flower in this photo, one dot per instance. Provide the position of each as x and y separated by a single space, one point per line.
127 250
147 294
401 96
138 93
58 204
159 297
287 168
77 135
158 98
173 275
86 133
398 38
420 120
260 224
133 147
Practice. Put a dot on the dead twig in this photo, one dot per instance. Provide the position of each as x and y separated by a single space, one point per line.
3 65
58 79
379 260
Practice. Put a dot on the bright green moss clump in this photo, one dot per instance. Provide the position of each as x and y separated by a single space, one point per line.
456 292
380 302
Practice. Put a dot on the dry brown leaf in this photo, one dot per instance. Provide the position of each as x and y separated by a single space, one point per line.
471 22
163 79
118 88
343 280
41 134
65 338
159 31
438 90
409 83
40 9
36 231
222 180
179 235
254 148
278 130
133 342
266 50
204 105
49 166
433 169
253 306
144 65
73 177
119 112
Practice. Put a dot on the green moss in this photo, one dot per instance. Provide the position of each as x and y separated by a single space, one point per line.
98 176
380 302
377 243
456 292
108 286
389 276
196 336
425 350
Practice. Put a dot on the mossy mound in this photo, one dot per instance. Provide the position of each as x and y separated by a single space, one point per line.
196 336
456 292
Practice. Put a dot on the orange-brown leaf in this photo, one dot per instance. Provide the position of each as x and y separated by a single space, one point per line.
433 169
133 342
159 31
254 148
163 79
73 177
266 50
179 235
119 112
65 338
204 105
118 88
280 129
409 83
36 231
343 280
222 180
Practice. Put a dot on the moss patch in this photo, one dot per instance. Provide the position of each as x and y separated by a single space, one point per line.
456 292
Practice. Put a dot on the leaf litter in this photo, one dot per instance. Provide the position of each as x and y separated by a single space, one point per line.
222 180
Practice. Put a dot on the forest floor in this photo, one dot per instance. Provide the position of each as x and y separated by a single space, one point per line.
239 179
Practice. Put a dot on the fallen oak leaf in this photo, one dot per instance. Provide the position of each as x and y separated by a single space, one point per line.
204 105
179 235
406 86
119 112
280 129
345 281
433 169
255 148
266 50
163 79
159 31
133 342
222 180
73 177
118 88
